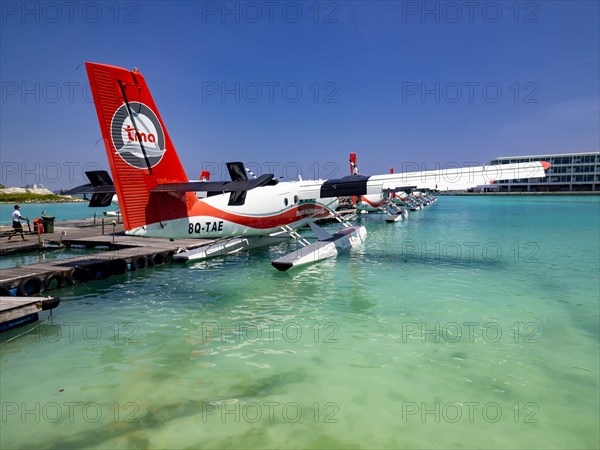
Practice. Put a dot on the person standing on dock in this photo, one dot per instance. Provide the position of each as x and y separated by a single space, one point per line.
16 223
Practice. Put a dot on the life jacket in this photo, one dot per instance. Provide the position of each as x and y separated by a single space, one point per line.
38 225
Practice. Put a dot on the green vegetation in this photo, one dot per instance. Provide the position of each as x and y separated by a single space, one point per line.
28 197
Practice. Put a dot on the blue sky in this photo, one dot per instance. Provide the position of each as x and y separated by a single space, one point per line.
295 86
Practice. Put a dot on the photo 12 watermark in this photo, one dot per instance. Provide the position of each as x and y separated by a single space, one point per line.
68 332
469 92
50 172
70 12
451 174
36 91
518 252
325 332
453 332
286 170
68 412
270 12
469 412
467 12
327 92
234 411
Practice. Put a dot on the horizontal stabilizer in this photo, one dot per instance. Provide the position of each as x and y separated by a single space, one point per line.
89 189
101 187
101 200
100 183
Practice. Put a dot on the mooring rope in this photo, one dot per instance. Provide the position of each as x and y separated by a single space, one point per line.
28 331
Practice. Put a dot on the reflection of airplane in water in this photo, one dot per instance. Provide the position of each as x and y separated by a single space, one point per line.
156 198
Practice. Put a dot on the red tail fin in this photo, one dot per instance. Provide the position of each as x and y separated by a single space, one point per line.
139 149
353 166
353 171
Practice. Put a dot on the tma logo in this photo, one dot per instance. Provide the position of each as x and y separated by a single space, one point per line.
135 131
139 136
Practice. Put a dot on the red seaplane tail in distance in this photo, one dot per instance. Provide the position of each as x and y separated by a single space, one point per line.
353 171
139 149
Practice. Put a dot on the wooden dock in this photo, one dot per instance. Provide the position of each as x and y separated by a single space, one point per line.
17 311
63 231
120 253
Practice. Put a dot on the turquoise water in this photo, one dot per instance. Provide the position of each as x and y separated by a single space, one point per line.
473 324
62 211
37 257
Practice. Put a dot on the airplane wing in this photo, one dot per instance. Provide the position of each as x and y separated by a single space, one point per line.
91 189
101 183
440 180
241 185
460 178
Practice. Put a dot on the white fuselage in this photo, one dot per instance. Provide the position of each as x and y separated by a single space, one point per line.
265 211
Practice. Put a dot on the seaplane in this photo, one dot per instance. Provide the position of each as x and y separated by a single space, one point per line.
414 201
395 203
157 199
397 206
427 197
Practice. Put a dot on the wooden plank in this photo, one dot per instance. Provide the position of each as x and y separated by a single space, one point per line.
19 273
12 308
7 303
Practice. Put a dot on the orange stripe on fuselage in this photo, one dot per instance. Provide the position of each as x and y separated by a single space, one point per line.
373 204
285 217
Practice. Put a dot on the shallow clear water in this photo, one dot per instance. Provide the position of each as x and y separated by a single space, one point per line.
37 257
62 211
474 324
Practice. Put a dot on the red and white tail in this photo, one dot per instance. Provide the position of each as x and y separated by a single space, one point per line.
354 171
139 149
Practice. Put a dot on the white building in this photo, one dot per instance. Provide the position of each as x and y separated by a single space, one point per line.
568 172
